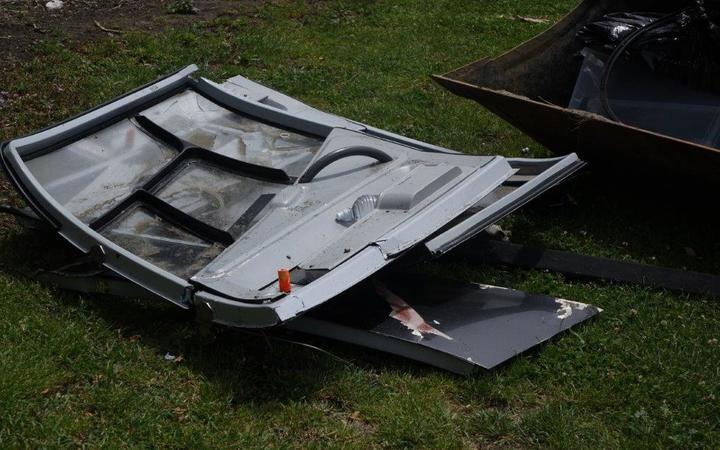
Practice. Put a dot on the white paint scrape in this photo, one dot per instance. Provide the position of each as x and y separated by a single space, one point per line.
490 286
566 308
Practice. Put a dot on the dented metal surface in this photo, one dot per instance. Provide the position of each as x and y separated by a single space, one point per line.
200 192
208 125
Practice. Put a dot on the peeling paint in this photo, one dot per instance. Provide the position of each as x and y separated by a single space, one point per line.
406 315
566 308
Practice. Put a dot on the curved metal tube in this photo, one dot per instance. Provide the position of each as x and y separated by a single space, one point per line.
341 153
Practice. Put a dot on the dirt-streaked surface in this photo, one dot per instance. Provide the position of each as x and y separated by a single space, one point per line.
24 23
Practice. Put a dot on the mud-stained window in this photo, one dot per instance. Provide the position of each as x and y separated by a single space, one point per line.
170 184
90 176
216 196
154 239
201 122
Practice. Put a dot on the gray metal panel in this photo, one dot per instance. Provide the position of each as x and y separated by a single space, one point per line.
256 92
234 313
468 228
119 260
91 175
376 224
302 220
308 120
162 283
439 213
337 186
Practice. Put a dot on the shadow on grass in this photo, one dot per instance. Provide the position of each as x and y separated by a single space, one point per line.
258 366
253 366
655 219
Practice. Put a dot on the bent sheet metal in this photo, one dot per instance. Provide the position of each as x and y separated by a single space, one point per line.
201 193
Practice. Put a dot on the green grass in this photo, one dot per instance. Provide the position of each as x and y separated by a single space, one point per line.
89 371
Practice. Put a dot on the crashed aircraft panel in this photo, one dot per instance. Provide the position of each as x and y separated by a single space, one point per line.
186 175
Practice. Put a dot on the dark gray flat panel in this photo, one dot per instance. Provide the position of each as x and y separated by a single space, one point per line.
481 325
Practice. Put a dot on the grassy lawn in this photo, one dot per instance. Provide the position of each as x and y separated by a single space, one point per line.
90 371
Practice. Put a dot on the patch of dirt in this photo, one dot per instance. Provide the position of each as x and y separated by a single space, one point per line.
26 22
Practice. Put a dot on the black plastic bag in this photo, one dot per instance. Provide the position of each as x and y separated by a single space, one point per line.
684 44
612 29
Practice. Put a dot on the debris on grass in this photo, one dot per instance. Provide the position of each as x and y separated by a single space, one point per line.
526 19
533 20
409 194
107 30
54 5
497 232
170 357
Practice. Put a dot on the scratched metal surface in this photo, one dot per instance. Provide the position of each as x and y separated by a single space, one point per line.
482 326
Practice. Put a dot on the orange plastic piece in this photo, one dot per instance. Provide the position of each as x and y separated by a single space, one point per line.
284 280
